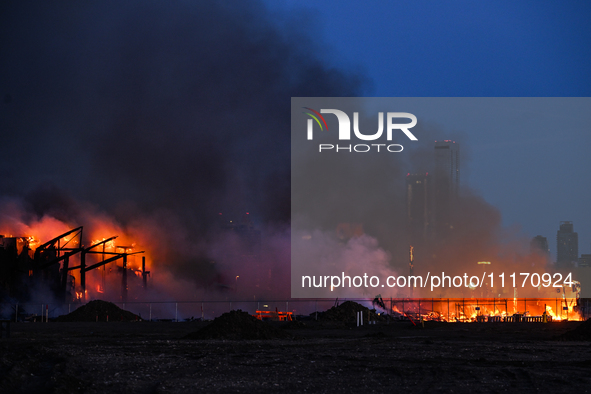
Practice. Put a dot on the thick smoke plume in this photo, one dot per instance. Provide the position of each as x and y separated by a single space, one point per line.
155 117
367 193
148 119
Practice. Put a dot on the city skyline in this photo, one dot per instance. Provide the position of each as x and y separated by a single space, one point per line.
533 175
533 193
424 205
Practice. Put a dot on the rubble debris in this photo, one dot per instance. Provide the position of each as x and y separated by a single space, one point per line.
238 325
100 309
347 312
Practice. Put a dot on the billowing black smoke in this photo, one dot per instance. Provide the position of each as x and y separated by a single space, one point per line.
159 114
137 106
141 105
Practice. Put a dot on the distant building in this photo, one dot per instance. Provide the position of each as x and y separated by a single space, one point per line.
418 206
539 245
447 165
446 184
585 260
567 245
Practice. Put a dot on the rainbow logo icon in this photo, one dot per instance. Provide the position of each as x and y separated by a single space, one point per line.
315 116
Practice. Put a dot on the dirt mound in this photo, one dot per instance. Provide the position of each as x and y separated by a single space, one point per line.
294 325
581 333
347 312
238 325
102 309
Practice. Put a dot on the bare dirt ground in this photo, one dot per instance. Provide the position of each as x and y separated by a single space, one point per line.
143 357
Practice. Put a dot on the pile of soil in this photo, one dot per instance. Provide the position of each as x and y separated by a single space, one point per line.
581 333
102 309
294 325
347 312
238 325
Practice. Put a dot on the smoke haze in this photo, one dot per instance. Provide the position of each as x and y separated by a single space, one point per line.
154 116
147 120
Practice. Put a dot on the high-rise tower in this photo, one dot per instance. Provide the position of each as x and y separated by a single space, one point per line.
446 184
539 245
418 206
447 165
567 245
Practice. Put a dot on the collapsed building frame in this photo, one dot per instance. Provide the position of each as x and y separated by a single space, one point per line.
19 271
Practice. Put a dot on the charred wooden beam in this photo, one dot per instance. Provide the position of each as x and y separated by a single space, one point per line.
124 280
58 259
109 260
144 272
56 239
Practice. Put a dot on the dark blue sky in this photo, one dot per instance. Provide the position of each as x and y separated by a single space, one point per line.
461 48
480 49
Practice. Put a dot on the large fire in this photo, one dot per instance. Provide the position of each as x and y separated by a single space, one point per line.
71 258
486 309
128 257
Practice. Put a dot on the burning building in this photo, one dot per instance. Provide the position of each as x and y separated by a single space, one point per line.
63 265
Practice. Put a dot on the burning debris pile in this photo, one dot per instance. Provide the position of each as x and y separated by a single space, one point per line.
347 311
98 310
238 325
581 333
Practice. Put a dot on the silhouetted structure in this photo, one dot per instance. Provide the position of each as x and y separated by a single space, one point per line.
446 184
539 245
22 271
419 206
567 245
